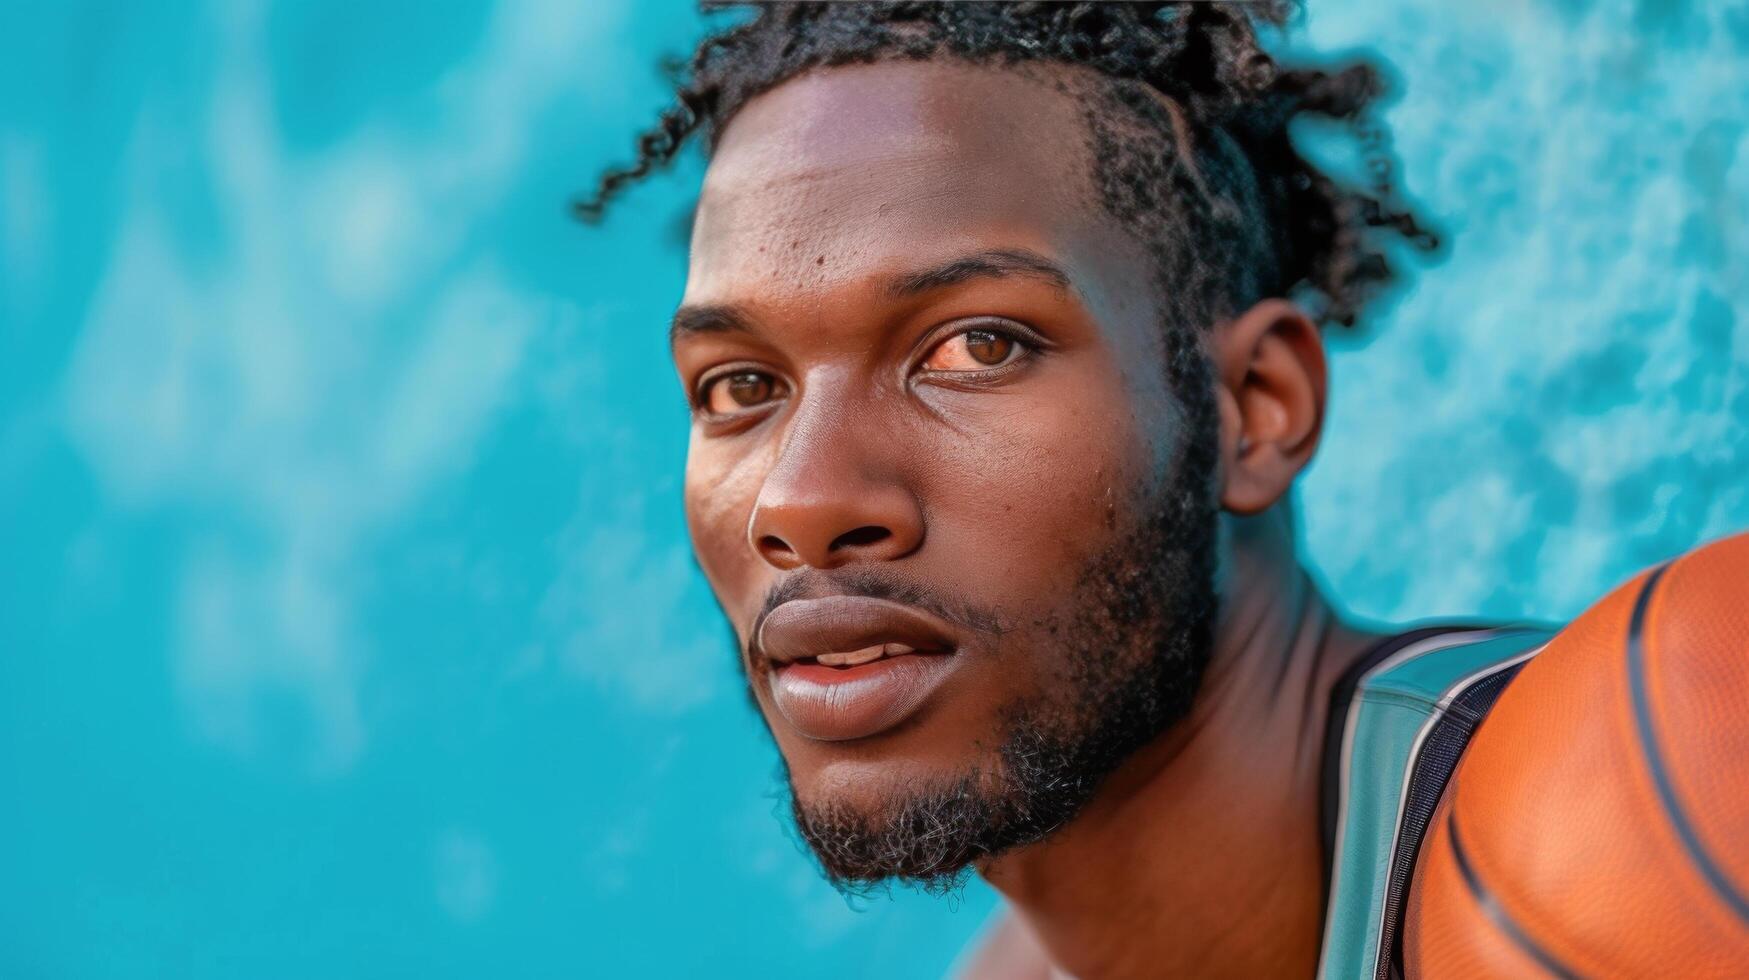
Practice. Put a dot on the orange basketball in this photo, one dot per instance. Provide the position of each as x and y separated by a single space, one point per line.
1598 825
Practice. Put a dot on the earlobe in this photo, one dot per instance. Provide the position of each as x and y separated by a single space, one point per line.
1272 388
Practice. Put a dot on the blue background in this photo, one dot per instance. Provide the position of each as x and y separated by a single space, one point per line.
347 623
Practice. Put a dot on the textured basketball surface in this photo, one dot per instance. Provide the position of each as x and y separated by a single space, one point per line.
1598 825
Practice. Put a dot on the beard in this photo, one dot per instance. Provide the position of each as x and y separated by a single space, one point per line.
1131 650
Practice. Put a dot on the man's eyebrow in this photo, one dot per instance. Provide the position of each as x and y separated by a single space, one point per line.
991 263
693 320
996 263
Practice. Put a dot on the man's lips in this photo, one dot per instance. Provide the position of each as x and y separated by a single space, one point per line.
807 629
850 667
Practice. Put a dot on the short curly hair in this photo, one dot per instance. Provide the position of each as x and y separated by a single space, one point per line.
1207 177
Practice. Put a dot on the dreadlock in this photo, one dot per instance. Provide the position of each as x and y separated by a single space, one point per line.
1207 177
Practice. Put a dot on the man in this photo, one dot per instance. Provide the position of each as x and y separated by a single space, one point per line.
1001 332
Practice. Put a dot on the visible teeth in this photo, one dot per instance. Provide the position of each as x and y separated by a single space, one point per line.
866 655
855 657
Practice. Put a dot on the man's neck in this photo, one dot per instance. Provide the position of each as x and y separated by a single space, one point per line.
1201 855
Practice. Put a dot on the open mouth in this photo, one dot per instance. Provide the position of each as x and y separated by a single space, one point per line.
866 655
848 667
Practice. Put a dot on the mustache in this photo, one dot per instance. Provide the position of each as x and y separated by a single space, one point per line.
870 584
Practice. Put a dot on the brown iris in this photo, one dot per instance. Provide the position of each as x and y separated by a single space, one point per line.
974 350
988 347
730 393
749 388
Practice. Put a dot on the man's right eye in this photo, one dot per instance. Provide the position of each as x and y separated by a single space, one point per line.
737 391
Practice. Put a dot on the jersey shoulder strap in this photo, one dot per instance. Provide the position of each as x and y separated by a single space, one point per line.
1398 723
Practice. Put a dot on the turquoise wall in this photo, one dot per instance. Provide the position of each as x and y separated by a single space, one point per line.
347 623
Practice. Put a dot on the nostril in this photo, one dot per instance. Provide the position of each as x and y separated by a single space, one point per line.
771 544
866 535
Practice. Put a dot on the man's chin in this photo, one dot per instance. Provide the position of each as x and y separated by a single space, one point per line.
927 835
927 826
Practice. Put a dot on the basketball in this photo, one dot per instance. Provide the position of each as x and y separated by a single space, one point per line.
1598 825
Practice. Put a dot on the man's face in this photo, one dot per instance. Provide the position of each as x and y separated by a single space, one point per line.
933 477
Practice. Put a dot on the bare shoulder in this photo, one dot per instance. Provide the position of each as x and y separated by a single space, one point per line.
1007 951
1599 821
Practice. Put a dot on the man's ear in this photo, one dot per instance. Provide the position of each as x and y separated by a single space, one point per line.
1271 386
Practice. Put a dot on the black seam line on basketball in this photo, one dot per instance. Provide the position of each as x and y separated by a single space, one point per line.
1496 912
1636 662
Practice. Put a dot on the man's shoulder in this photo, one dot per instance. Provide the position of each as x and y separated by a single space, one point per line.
1422 668
1400 719
1385 706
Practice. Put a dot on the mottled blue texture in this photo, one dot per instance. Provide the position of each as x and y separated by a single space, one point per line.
347 624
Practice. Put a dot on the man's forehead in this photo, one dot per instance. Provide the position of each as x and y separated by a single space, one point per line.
852 164
853 116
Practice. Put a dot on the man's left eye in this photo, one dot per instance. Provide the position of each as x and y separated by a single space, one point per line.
974 350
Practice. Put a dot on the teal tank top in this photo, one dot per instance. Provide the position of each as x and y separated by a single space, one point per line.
1399 721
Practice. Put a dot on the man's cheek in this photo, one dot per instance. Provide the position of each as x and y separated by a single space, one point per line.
1039 501
717 511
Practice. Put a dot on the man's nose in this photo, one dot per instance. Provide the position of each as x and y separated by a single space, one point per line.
834 496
